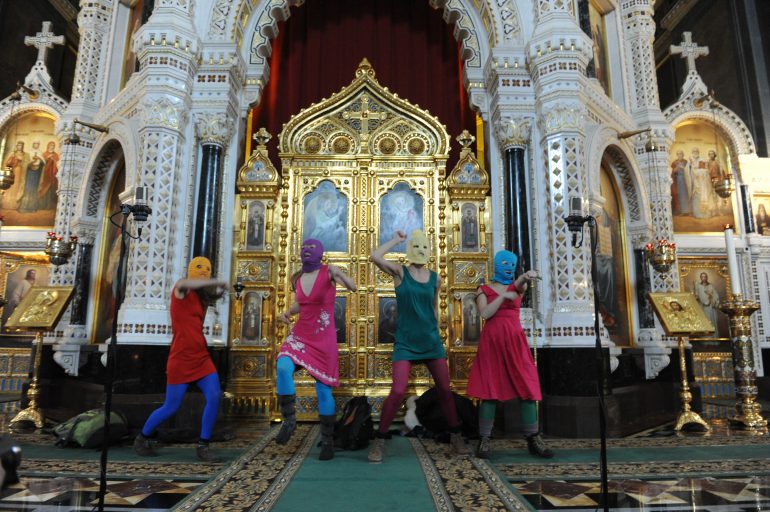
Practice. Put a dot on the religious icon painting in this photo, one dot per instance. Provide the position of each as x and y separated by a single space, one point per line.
251 319
387 317
698 159
599 37
611 263
19 273
41 309
469 228
340 324
401 209
255 226
471 320
709 280
32 152
326 217
680 314
107 282
761 205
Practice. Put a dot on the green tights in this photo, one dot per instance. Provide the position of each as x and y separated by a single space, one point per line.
527 411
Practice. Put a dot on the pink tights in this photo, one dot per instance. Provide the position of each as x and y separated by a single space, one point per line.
439 370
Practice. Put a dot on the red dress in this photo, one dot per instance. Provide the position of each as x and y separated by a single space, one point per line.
189 358
312 342
503 368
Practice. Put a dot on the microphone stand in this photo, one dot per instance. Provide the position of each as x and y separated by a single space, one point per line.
575 225
140 212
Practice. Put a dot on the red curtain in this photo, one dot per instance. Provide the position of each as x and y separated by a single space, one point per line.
411 48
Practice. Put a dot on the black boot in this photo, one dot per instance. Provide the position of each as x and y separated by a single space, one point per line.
327 436
204 452
537 446
289 425
143 446
482 451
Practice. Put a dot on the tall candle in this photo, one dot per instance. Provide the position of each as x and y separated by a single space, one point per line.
732 261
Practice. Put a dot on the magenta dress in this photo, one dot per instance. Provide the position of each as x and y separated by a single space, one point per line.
503 368
312 341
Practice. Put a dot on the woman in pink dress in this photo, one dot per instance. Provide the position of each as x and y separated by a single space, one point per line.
311 343
504 368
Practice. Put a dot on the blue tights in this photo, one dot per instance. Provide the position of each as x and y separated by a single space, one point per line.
285 386
209 385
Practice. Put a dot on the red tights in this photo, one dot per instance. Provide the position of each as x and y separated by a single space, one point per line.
439 370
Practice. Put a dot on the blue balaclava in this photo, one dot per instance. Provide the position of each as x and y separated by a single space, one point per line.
505 266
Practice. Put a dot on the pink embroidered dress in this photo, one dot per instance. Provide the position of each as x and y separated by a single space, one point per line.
504 368
312 341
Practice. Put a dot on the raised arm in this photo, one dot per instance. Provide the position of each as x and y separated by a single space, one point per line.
378 256
339 277
522 282
184 285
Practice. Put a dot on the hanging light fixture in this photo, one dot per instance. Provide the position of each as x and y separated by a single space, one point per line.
722 181
58 249
661 253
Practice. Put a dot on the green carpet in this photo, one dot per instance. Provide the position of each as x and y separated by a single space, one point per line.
350 483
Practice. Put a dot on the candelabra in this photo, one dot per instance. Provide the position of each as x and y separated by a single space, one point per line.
58 250
748 412
723 185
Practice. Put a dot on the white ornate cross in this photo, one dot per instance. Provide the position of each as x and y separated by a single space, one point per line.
364 115
43 41
689 51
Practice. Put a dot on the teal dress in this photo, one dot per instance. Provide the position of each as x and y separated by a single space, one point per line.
417 336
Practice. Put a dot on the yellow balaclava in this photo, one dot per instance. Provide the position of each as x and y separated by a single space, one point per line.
418 248
199 268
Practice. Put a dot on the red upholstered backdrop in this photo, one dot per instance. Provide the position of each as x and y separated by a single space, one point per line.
411 48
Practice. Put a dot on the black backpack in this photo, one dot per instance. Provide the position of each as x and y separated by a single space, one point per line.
355 427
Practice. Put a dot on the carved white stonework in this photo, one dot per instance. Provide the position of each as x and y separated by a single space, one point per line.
67 356
563 117
513 132
213 128
164 111
655 361
94 24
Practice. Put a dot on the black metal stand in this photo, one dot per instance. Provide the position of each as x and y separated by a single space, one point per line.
575 224
125 211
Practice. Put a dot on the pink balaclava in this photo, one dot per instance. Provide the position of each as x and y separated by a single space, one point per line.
311 253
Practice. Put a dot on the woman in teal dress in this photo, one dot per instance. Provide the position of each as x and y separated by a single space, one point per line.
417 337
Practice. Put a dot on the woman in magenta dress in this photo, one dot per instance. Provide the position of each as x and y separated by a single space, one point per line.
311 343
504 368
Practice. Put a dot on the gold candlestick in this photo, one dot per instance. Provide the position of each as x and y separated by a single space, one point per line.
32 412
748 412
687 415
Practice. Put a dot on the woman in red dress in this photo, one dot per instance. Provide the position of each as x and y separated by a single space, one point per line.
504 368
189 360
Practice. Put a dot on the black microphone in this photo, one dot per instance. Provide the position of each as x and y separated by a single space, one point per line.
140 209
575 219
